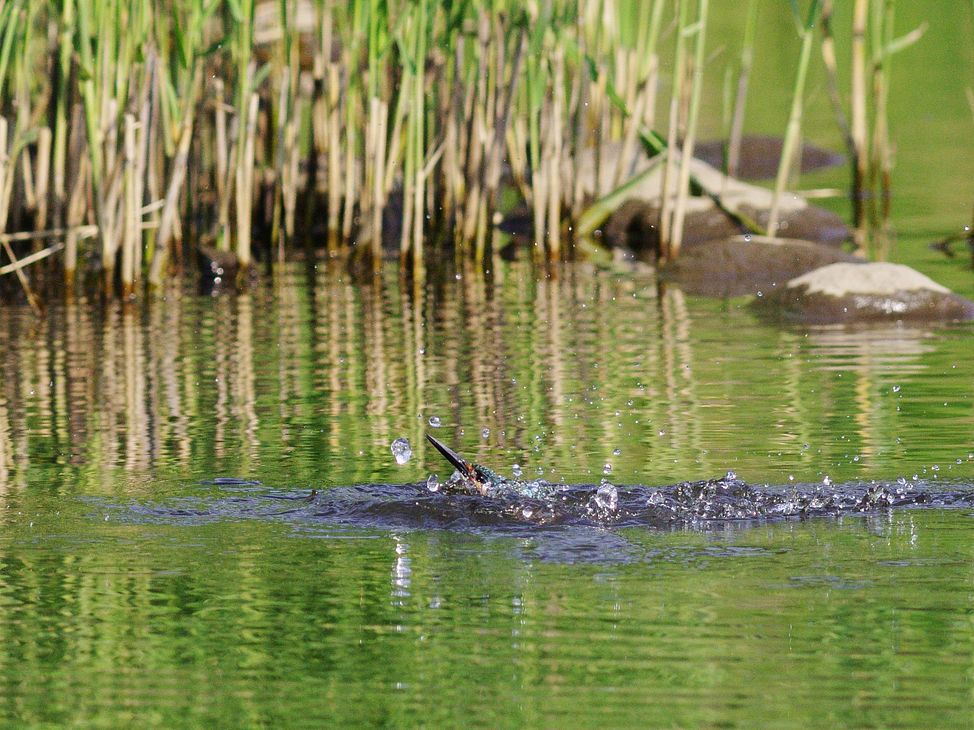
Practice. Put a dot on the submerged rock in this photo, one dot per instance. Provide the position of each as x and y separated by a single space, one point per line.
872 292
744 265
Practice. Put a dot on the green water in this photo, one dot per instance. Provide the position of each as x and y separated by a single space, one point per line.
134 590
127 599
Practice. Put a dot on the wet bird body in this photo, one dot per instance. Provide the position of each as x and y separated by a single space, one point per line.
473 477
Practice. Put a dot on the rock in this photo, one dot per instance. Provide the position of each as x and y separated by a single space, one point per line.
873 292
760 155
635 223
741 265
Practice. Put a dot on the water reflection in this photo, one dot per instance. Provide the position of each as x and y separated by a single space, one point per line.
308 380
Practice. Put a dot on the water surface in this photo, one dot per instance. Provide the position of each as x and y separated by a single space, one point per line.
203 521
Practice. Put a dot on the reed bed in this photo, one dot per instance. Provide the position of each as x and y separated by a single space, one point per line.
134 133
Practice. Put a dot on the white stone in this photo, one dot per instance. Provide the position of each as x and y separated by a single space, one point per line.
843 279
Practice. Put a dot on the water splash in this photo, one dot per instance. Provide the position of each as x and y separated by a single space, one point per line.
519 506
401 450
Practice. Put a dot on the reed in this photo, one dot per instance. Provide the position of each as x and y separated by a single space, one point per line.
866 127
699 32
253 127
790 146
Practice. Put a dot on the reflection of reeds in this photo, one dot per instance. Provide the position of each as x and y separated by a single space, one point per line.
316 394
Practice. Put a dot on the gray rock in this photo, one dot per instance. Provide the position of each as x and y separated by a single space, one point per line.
873 292
743 265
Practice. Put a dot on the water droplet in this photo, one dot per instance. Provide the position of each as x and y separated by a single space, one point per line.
607 497
516 470
616 452
607 469
896 389
401 450
485 433
435 421
433 483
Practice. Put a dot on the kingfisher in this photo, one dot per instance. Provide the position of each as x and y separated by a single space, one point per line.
473 477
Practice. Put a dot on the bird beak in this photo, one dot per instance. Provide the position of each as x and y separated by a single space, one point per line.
461 465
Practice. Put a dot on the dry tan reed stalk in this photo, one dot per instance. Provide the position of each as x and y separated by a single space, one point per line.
74 215
579 135
350 171
245 187
31 258
291 171
225 141
557 151
476 135
7 166
42 176
131 231
278 234
333 150
453 153
669 171
379 115
631 135
81 232
419 137
686 154
170 212
493 139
